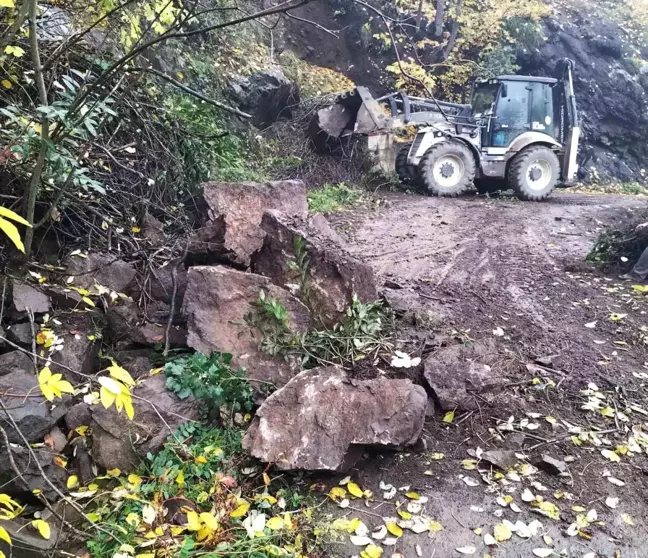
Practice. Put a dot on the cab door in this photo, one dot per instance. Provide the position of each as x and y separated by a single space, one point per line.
512 113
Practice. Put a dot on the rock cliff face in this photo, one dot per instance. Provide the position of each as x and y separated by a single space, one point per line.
610 80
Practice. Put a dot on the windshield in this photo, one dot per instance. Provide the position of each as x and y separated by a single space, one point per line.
483 97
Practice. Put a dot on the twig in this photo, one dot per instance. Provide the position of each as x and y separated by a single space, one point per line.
33 338
314 24
49 482
174 292
2 302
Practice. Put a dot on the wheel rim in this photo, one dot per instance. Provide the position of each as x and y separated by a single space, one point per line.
448 171
539 174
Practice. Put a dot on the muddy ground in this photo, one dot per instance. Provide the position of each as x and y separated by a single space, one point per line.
511 275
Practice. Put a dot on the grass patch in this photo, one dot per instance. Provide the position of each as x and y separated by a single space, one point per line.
618 188
333 198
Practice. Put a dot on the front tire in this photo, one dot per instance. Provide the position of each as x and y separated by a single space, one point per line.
406 173
534 173
447 169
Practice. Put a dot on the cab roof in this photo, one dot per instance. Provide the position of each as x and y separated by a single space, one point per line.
540 79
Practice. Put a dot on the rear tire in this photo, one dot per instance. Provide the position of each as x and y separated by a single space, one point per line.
406 173
534 173
447 169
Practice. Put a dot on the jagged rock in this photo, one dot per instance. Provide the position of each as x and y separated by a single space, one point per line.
153 230
81 343
326 127
333 276
458 373
320 224
25 296
233 232
21 333
267 95
216 304
119 442
57 440
27 542
104 269
30 472
503 459
321 417
64 298
29 410
126 324
136 361
551 465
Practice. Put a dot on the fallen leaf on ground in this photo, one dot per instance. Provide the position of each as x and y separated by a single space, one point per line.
542 552
466 550
612 456
449 417
502 532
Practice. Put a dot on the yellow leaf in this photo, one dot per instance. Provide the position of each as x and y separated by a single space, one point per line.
12 234
241 510
42 527
551 420
180 478
201 459
337 493
113 472
88 301
107 397
209 520
7 4
4 212
502 533
266 479
135 229
627 519
437 456
449 417
134 479
372 551
5 82
547 508
469 464
275 523
413 495
52 385
120 374
193 521
435 526
405 515
72 482
133 519
394 529
4 536
354 490
612 456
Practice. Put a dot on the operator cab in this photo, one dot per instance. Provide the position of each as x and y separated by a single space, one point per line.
508 106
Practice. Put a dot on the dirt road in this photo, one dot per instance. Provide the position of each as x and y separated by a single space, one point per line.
512 274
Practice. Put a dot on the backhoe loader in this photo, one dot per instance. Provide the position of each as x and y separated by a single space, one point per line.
518 132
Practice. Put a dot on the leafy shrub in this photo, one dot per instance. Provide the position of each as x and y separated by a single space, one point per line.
330 198
625 242
211 380
523 31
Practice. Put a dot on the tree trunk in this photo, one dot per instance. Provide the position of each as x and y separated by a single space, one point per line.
455 30
419 15
438 18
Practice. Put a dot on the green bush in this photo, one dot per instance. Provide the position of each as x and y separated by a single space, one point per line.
211 380
331 198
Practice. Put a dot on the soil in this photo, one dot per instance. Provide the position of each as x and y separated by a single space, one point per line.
513 274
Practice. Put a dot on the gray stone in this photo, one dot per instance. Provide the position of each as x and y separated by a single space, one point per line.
503 459
459 373
551 465
153 230
25 296
30 472
122 443
126 324
216 304
106 270
234 212
16 361
333 276
79 353
321 419
27 542
21 333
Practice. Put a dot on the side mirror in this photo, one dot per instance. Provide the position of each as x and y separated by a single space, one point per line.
504 91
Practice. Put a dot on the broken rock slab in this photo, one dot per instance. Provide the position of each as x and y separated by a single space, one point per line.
81 346
122 443
217 302
125 324
321 419
234 211
30 472
459 373
106 270
27 297
332 276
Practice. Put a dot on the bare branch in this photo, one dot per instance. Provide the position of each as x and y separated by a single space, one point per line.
314 24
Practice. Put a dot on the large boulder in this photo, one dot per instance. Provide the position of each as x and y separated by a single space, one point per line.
106 270
268 95
326 127
295 252
28 543
30 471
81 343
26 297
234 210
127 325
218 304
23 399
122 443
460 374
321 418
